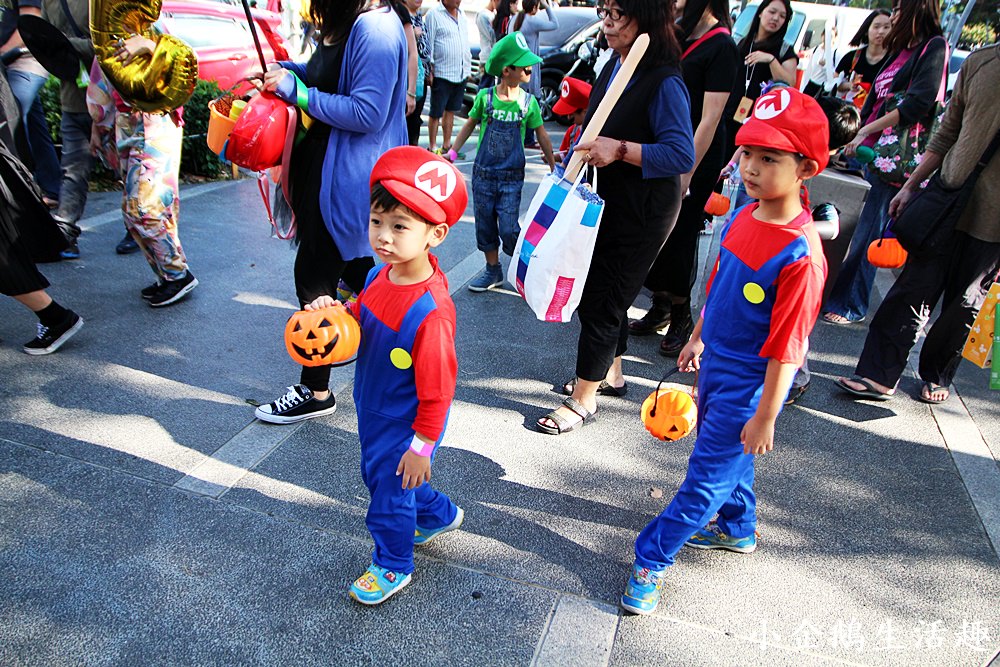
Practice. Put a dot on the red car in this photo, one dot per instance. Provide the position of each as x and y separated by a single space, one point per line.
220 35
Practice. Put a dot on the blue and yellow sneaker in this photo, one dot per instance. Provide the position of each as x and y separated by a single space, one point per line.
642 593
712 537
377 585
422 536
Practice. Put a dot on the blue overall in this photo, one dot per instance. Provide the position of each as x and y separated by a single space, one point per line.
497 177
385 394
720 476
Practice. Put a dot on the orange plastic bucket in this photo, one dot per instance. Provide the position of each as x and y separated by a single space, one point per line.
219 128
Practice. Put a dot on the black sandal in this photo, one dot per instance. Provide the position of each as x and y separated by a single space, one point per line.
604 389
563 425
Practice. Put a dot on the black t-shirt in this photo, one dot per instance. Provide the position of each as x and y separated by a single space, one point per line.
710 68
867 71
760 73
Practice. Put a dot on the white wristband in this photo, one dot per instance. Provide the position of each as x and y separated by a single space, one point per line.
421 448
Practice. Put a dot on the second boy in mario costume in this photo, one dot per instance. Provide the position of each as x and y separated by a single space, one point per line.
406 370
574 98
763 298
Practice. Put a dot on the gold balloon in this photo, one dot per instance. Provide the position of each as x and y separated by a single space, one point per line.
157 83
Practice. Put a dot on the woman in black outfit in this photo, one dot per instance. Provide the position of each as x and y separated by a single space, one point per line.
862 65
765 59
709 67
643 149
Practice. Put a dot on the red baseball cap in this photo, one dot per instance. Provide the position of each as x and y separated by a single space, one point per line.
573 96
428 185
785 119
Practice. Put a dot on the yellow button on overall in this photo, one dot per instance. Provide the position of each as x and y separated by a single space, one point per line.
400 358
753 292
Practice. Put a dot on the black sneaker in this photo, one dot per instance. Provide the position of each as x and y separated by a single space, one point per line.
50 339
148 293
127 245
172 291
296 405
680 330
795 393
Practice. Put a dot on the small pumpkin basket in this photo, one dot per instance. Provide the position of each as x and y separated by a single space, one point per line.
670 414
886 252
325 337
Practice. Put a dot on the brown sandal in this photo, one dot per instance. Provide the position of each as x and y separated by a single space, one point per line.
562 424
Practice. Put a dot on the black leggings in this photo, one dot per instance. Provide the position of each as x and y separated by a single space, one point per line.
318 269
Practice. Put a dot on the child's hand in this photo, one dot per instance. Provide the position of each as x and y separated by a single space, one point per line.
757 435
690 357
414 468
321 302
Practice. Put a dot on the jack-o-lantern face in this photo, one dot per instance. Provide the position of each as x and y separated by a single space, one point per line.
669 415
322 337
886 253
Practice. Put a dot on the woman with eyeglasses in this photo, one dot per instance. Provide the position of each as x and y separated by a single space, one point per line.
644 148
915 73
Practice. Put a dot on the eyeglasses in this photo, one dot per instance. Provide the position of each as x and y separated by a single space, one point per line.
615 14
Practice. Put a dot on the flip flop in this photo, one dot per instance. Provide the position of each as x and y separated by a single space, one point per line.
869 389
834 318
930 388
604 389
563 425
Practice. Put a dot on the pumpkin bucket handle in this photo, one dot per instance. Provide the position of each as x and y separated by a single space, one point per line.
668 374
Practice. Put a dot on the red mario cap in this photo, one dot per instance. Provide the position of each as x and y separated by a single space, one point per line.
573 96
785 119
428 185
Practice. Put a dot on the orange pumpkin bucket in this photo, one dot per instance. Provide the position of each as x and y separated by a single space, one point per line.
220 125
325 337
671 414
886 253
717 204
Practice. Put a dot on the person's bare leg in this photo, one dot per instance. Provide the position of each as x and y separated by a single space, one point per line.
449 123
492 257
432 133
36 301
615 377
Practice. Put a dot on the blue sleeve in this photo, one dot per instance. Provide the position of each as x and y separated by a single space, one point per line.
377 54
670 116
298 69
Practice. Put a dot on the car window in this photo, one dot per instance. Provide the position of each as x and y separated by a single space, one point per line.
817 26
569 24
202 31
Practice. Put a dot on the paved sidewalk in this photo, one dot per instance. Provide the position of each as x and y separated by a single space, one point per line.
145 518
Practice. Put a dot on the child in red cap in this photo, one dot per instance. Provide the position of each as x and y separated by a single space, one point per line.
763 298
574 96
405 377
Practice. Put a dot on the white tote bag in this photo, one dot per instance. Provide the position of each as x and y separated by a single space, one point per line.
553 253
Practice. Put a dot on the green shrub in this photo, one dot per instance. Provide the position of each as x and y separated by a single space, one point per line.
976 34
196 157
49 95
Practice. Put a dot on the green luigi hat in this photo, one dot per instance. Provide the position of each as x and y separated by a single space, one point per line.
511 51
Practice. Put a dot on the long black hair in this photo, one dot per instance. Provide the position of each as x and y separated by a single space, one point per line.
656 18
861 36
693 9
334 18
527 6
773 43
918 20
502 17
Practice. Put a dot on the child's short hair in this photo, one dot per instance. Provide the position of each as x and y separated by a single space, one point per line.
844 119
384 201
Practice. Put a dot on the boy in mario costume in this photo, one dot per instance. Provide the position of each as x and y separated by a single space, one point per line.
763 297
574 98
406 370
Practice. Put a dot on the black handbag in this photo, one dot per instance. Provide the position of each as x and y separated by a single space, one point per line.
929 218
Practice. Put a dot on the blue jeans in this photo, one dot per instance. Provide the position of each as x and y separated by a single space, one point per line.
851 293
25 87
75 128
496 205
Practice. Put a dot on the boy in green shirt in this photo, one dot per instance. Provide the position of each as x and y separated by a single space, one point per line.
498 172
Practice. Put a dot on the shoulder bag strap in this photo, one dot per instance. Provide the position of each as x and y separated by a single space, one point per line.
721 30
987 156
69 17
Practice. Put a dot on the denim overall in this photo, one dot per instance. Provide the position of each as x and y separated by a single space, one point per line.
497 176
385 393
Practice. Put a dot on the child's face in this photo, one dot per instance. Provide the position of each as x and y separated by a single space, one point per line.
397 236
579 116
771 174
513 76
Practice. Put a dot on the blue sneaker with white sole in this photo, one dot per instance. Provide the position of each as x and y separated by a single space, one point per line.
377 585
488 278
422 536
642 593
712 537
